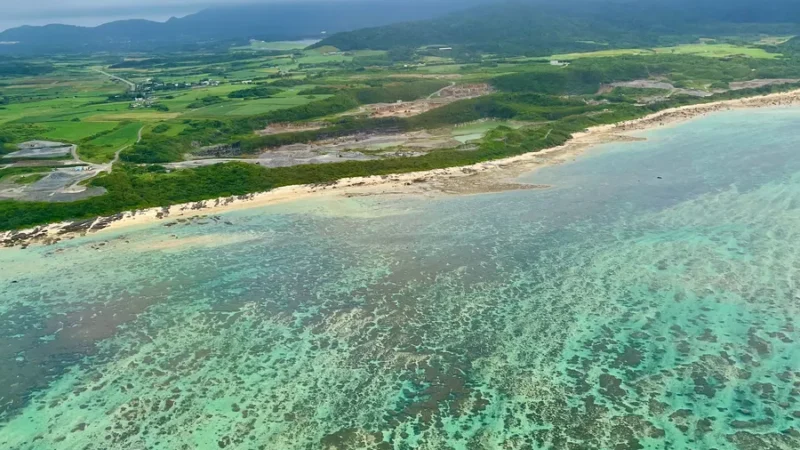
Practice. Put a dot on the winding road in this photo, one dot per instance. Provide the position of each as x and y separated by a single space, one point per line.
93 169
131 84
116 154
452 83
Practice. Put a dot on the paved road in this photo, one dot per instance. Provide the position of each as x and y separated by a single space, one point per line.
452 83
129 83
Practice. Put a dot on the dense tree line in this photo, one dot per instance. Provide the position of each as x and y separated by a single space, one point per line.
14 133
156 149
161 128
14 68
542 28
205 101
256 92
289 82
319 90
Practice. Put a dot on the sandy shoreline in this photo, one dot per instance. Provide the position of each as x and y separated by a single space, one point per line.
492 176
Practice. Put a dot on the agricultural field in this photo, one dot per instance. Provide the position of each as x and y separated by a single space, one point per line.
711 50
251 107
102 148
718 51
77 104
283 106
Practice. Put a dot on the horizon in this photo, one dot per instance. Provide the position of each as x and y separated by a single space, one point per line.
91 13
87 21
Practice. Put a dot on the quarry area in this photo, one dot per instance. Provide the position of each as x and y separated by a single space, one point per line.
438 99
360 147
53 173
41 150
279 128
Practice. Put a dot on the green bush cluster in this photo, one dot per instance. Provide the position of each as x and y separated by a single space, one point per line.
205 101
262 91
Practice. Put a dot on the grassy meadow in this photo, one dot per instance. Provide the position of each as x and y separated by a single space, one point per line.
711 50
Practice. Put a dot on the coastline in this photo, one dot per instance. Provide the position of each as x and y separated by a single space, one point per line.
485 177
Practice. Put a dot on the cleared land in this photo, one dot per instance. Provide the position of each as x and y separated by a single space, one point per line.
709 50
40 150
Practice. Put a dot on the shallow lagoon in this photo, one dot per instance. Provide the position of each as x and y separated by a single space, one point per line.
648 300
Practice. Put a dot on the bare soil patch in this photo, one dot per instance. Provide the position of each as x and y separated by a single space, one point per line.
443 97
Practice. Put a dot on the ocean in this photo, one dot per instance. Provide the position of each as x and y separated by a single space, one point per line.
647 300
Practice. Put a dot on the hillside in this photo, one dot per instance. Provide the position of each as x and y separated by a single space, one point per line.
538 27
274 21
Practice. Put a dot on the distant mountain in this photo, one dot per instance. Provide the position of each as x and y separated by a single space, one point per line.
273 21
544 27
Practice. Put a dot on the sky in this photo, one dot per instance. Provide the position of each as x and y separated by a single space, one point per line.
14 13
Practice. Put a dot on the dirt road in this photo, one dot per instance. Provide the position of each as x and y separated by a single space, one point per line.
452 83
109 167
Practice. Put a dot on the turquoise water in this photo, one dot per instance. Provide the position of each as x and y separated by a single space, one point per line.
649 300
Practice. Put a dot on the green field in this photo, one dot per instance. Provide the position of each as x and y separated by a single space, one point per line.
102 148
146 115
241 107
599 54
279 45
718 51
52 110
709 50
440 68
75 131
